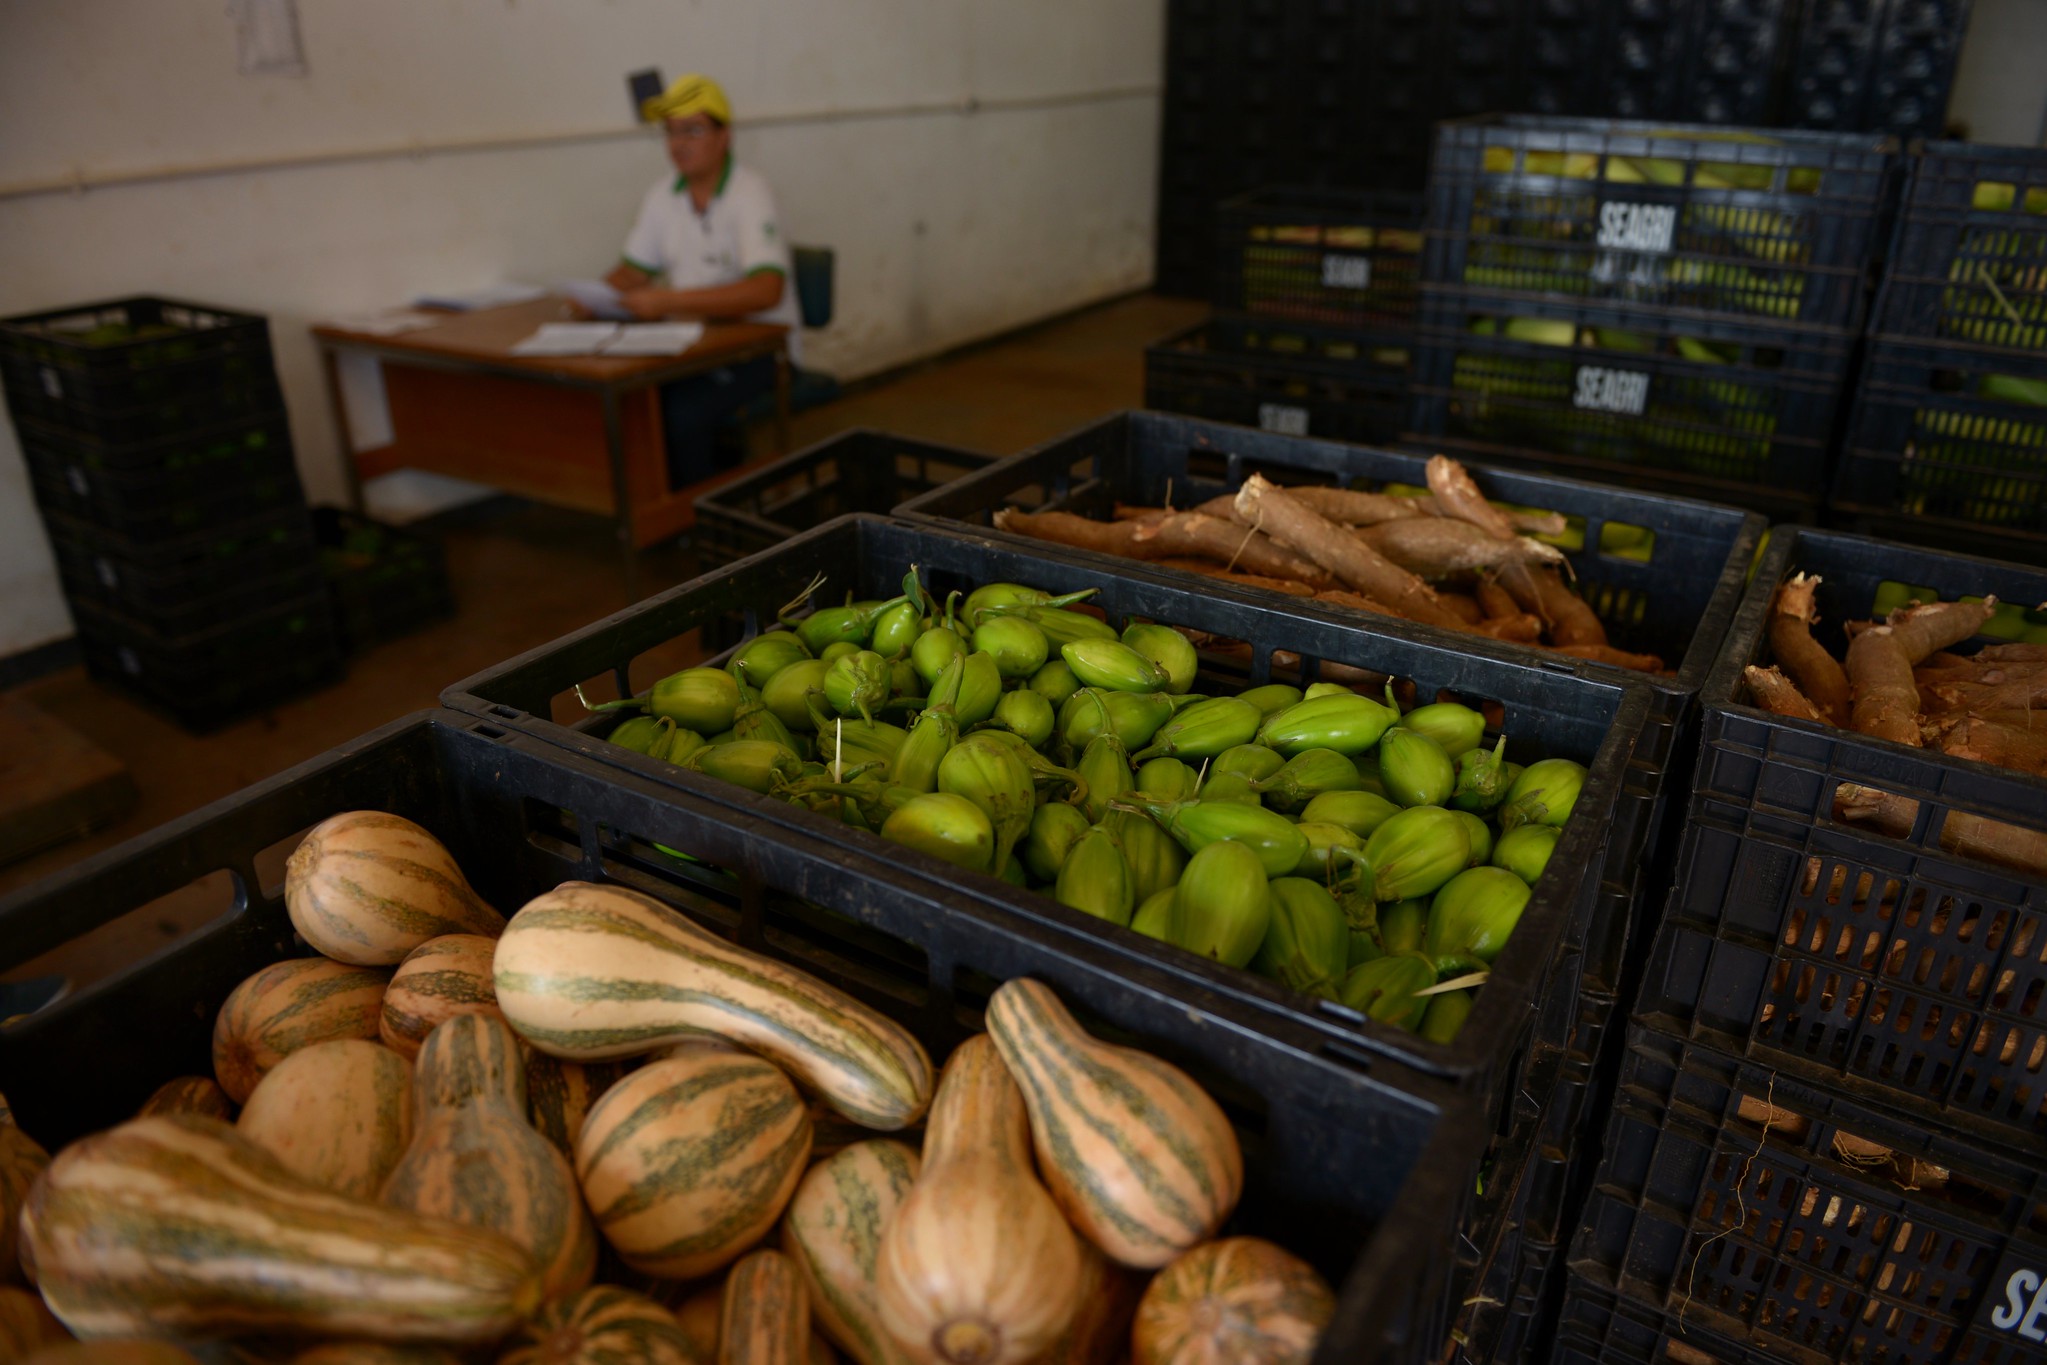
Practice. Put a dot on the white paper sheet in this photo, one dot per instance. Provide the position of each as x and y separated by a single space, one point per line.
490 296
598 297
655 338
568 338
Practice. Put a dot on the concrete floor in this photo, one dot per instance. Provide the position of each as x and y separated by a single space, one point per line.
524 574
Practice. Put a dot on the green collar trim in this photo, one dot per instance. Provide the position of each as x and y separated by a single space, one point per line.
724 176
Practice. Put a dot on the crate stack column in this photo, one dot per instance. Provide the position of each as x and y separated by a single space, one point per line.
1315 294
1947 443
157 445
1676 309
1827 1139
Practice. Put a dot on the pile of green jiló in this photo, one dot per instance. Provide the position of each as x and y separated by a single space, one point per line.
1320 838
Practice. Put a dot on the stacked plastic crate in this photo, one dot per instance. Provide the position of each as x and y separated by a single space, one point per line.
156 442
1948 441
1315 294
1672 308
1827 1140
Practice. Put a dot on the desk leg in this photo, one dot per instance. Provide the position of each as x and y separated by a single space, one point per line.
621 492
782 402
331 370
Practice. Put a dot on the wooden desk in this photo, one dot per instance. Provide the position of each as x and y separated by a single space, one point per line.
582 432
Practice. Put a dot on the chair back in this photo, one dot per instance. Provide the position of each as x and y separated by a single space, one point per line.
813 283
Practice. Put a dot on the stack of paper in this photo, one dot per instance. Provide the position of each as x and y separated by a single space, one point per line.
568 338
386 324
655 338
598 299
492 296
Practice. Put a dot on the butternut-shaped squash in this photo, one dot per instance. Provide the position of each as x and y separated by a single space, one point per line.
689 1161
26 1324
441 978
1143 1162
22 1159
336 1114
977 1267
592 972
1239 1301
766 1318
832 1231
603 1325
1100 1332
559 1094
199 1095
179 1224
286 1006
475 1160
366 887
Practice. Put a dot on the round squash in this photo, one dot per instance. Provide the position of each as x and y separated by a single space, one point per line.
559 1094
698 1316
474 1159
366 887
441 978
601 1325
337 1114
977 1266
26 1323
832 1230
375 1353
22 1159
689 1161
199 1095
1239 1301
285 1007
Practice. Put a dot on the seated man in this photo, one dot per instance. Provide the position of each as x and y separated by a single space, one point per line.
711 231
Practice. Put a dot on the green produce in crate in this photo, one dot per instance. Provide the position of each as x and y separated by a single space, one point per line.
1525 849
1308 834
700 699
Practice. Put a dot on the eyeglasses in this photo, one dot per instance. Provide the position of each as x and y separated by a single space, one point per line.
690 132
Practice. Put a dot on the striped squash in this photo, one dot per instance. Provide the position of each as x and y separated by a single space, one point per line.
688 1162
134 1351
199 1095
367 888
559 1094
600 1326
766 1317
978 1266
832 1230
338 1115
591 972
474 1159
1240 1301
22 1159
1100 1332
375 1353
1137 1154
283 1008
26 1323
177 1224
441 978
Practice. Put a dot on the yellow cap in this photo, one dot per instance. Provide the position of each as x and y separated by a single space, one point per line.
691 94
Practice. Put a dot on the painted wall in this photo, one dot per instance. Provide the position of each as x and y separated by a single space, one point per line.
977 164
2001 81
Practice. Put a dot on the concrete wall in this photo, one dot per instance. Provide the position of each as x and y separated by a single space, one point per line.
2001 83
977 164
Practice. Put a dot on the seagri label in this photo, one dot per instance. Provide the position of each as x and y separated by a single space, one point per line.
1637 227
1602 390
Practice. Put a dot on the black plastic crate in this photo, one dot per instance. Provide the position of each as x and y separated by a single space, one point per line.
1791 1219
208 679
1334 257
1362 1168
102 343
1781 229
1969 262
1907 975
1947 445
1198 374
1696 407
193 582
146 405
164 489
1699 61
856 471
1599 1327
386 580
1881 65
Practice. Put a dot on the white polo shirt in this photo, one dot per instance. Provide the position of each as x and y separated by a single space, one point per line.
737 236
